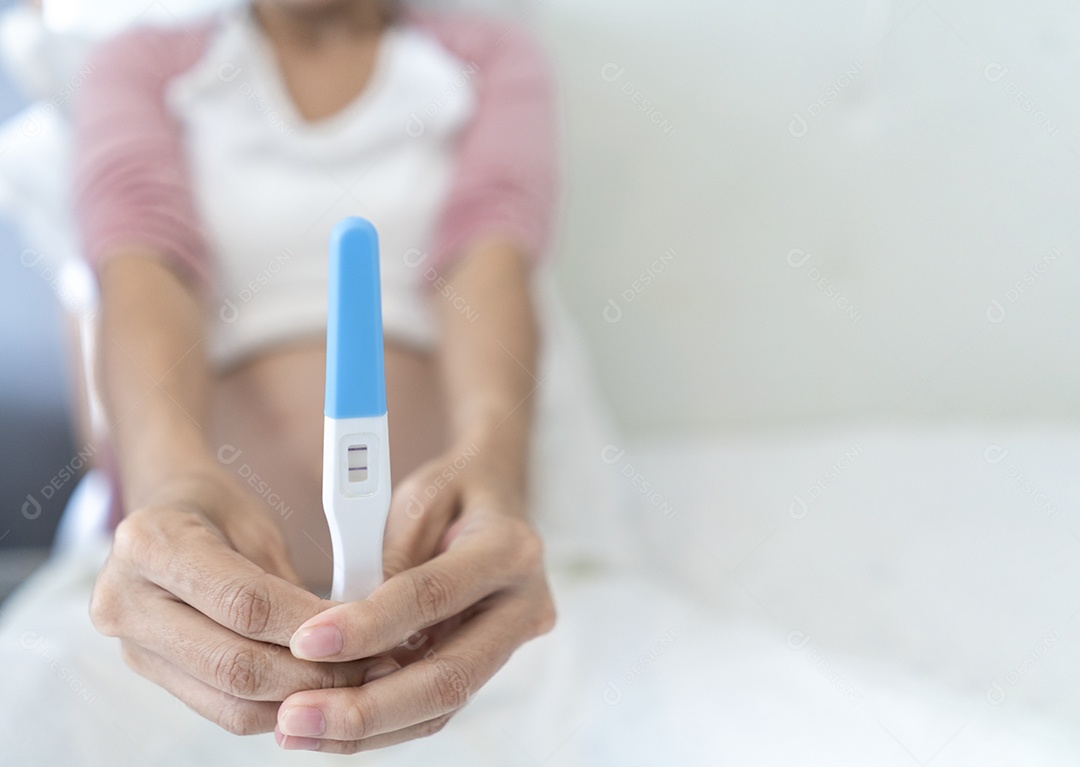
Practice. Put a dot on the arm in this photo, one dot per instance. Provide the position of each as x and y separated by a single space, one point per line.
196 584
489 365
467 584
487 360
470 586
155 382
153 375
194 562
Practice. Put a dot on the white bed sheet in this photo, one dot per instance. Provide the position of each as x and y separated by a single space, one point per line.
952 552
872 630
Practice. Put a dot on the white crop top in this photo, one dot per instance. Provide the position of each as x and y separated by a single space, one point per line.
269 186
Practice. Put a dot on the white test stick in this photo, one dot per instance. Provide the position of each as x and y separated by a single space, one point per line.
356 447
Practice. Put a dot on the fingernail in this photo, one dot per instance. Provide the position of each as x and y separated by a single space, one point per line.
381 669
300 744
317 642
302 721
278 735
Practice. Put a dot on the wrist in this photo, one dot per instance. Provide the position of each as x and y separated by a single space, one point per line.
157 446
181 477
501 445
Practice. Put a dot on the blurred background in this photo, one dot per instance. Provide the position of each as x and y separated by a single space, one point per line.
782 218
784 212
36 436
852 209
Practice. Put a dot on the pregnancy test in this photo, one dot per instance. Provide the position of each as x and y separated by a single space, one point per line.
356 447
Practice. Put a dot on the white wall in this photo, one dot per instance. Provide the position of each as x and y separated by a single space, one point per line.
922 190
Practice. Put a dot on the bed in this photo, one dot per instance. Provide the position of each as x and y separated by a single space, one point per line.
867 595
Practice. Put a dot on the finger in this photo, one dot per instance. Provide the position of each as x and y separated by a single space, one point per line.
422 730
274 560
282 567
238 716
213 578
439 684
420 509
477 566
260 540
230 663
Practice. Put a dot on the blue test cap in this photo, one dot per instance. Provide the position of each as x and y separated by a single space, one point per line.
355 382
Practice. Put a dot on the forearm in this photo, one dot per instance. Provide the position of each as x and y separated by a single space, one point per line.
153 374
488 356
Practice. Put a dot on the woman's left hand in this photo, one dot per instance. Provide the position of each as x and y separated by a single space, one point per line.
466 588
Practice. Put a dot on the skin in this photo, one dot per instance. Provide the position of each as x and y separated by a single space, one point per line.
209 586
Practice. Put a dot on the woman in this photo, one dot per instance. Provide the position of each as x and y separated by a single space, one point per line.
212 162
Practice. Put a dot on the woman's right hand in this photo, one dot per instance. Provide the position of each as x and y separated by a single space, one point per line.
199 588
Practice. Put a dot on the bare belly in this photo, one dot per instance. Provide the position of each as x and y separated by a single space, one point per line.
271 410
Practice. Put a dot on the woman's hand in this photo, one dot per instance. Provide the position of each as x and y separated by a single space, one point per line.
199 589
466 589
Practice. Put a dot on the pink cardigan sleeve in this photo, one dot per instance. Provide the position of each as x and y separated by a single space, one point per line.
507 178
131 185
